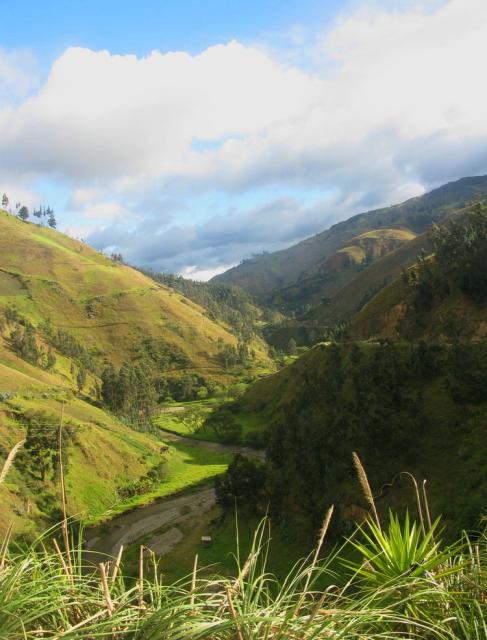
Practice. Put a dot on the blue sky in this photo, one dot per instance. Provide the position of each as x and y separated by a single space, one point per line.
125 26
189 135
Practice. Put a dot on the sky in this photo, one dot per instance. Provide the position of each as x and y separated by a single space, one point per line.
190 135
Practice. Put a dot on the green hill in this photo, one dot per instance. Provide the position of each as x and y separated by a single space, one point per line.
325 279
291 277
406 387
403 407
107 306
66 314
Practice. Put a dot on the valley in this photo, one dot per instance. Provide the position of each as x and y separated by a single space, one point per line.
152 411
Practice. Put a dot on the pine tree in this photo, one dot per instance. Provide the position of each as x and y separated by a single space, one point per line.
23 213
51 221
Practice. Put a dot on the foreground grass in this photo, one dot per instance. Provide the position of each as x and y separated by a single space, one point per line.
405 584
48 593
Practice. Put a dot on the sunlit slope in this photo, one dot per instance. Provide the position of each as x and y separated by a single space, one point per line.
368 282
265 274
105 454
109 307
390 314
328 277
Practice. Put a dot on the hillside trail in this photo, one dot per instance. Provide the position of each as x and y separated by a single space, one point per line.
161 517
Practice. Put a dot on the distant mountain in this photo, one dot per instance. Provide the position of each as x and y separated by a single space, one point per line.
295 279
325 279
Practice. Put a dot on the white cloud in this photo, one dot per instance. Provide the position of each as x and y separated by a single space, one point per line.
396 104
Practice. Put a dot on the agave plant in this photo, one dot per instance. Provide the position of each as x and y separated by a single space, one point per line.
399 551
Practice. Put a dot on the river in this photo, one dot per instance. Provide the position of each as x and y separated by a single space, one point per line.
166 513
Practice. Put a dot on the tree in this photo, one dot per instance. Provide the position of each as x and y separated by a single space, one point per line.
42 443
81 378
51 221
292 348
50 360
4 201
202 393
116 257
23 213
243 483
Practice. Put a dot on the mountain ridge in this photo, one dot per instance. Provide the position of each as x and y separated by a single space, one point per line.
265 275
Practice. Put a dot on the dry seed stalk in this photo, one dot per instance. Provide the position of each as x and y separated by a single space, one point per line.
141 577
321 537
68 573
319 605
418 499
245 570
116 566
233 613
426 505
64 527
5 543
193 579
10 460
364 483
106 590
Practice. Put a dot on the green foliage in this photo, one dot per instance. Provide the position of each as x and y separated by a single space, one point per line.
224 426
144 484
162 355
68 345
25 341
65 596
230 356
394 403
23 213
400 550
130 391
243 484
458 262
40 454
292 349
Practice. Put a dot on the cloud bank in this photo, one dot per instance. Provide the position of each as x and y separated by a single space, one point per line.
394 103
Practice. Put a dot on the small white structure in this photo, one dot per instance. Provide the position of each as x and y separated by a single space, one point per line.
206 541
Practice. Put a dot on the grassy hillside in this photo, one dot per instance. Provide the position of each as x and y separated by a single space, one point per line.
321 284
103 455
265 274
66 312
107 306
